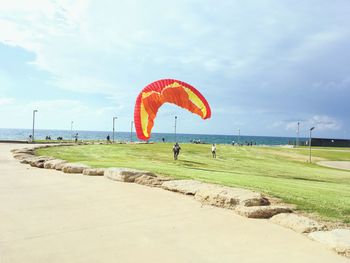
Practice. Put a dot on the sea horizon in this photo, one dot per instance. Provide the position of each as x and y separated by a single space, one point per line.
40 134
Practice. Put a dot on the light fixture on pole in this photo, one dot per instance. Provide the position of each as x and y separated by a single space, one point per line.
132 124
34 111
114 118
175 128
310 138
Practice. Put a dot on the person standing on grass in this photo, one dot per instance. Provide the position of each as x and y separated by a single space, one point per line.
108 139
213 150
176 150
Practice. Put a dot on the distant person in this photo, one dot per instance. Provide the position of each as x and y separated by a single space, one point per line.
30 138
163 139
213 150
76 137
176 150
233 143
108 139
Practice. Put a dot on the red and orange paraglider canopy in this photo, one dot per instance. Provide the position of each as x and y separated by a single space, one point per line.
154 95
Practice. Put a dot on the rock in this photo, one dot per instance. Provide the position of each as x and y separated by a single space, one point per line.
50 164
77 168
94 171
27 159
21 156
59 165
297 223
39 161
35 161
24 151
125 174
153 181
229 197
261 211
187 187
337 239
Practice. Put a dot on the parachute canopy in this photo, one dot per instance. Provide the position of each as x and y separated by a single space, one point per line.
154 95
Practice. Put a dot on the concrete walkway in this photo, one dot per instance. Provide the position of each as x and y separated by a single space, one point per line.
48 216
344 165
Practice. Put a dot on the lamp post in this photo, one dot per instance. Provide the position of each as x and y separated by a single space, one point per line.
175 127
114 118
239 136
34 111
310 138
132 124
71 130
298 130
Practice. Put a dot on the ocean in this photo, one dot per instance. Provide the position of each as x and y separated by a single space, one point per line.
23 134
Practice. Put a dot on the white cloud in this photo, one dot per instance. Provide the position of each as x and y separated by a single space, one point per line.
320 122
56 114
247 54
314 44
6 101
324 123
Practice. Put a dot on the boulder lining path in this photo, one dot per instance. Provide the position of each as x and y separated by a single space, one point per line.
50 216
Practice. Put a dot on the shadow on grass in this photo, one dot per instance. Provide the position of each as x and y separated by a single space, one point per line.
216 171
310 179
187 163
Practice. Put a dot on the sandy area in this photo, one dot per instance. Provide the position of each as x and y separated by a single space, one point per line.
345 165
48 216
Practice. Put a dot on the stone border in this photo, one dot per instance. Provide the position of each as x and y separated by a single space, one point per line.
243 202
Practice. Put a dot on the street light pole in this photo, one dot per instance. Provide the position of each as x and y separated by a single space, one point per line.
114 118
71 130
34 111
132 124
175 127
310 138
298 130
239 136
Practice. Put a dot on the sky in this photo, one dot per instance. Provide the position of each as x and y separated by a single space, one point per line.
262 65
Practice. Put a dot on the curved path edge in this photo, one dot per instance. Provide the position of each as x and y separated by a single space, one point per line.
50 216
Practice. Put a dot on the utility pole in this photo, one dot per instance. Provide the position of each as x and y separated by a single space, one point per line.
310 140
132 124
71 130
175 128
34 111
239 136
114 118
298 130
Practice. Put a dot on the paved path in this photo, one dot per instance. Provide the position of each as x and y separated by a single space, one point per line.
344 165
48 216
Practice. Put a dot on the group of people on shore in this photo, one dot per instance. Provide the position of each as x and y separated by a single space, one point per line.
177 148
245 143
48 138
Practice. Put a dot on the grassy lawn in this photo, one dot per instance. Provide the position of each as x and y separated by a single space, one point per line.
279 172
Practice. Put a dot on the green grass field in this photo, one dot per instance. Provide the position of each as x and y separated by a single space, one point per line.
279 172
